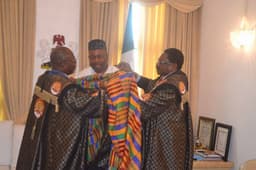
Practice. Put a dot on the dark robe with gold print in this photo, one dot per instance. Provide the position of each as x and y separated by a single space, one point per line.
167 129
55 132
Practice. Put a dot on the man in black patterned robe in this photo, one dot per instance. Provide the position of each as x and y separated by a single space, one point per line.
167 129
56 128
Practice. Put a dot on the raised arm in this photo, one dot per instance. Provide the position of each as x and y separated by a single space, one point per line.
82 101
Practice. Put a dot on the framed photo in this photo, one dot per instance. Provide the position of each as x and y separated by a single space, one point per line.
205 131
222 139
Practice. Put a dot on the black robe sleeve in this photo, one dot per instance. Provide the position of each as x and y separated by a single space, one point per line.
162 97
145 83
80 101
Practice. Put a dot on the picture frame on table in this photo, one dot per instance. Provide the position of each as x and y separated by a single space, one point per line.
222 138
205 131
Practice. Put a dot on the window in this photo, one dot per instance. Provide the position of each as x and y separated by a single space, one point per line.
136 22
136 27
148 26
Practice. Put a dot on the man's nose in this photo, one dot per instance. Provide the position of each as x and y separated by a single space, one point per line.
97 59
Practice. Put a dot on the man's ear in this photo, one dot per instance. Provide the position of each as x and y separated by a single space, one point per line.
173 67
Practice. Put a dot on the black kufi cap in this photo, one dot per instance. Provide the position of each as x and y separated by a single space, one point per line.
96 44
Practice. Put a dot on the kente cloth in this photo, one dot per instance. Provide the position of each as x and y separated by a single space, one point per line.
124 126
55 131
73 100
96 127
167 129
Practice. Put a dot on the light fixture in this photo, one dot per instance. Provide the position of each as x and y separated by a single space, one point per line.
244 37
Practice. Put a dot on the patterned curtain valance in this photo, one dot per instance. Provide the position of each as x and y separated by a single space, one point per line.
185 6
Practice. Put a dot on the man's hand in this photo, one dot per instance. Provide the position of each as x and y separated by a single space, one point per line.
96 93
72 79
146 96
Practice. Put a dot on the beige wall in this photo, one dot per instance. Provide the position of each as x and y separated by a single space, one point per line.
228 75
55 17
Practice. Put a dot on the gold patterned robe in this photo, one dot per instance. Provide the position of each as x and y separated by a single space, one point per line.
167 129
55 132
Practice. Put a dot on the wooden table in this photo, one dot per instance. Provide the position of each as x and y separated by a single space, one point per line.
212 165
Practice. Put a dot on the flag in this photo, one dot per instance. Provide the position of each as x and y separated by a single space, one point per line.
128 51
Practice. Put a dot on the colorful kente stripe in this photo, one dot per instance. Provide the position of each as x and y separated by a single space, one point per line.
95 133
95 129
124 124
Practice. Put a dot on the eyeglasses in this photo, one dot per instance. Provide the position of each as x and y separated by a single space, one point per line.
163 62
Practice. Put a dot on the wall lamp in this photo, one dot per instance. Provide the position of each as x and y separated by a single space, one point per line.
244 37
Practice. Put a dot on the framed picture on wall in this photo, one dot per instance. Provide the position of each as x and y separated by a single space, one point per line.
222 139
205 131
